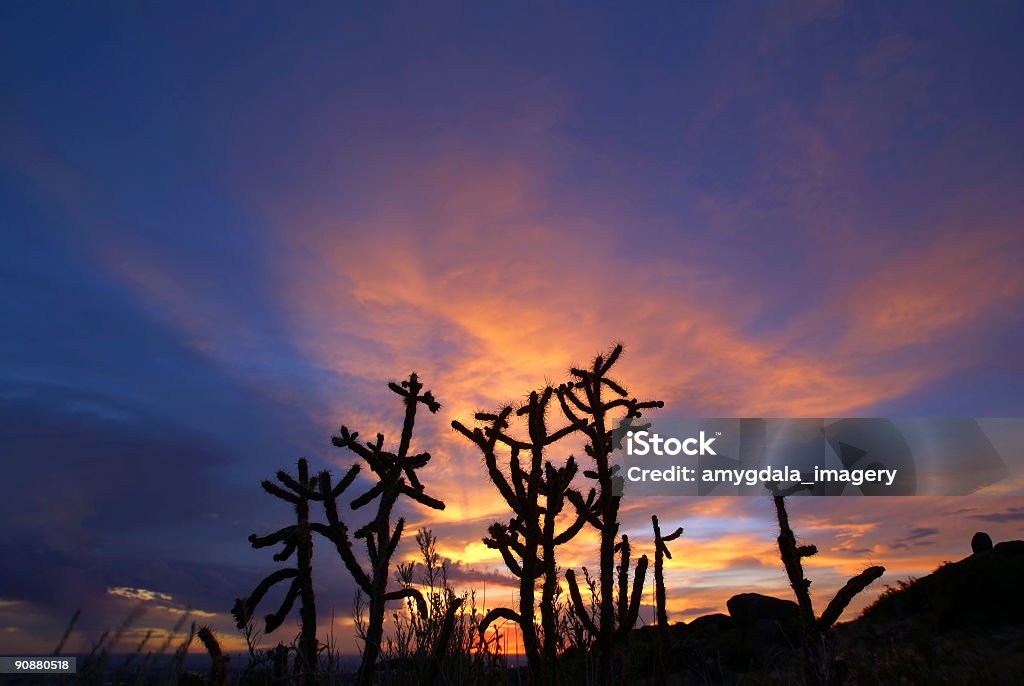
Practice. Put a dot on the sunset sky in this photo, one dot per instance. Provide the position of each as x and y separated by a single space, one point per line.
222 232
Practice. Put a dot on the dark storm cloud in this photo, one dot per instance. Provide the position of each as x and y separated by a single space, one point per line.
469 576
64 581
915 538
130 457
1012 514
99 463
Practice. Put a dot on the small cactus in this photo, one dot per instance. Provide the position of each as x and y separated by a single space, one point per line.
296 538
819 662
218 675
396 477
597 404
537 494
661 551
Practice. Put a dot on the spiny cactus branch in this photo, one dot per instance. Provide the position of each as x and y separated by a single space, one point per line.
444 637
244 608
633 611
297 539
397 476
818 658
496 614
582 614
536 491
276 619
846 594
661 552
583 400
409 592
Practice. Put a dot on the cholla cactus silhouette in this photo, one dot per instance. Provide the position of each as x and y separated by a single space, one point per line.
218 675
396 477
819 661
297 539
661 551
537 495
585 402
628 604
627 599
557 492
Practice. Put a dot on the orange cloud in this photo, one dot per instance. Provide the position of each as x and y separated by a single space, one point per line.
487 305
937 291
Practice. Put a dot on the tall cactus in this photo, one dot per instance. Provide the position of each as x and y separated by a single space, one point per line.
585 401
626 601
536 493
296 538
557 491
661 551
396 477
819 662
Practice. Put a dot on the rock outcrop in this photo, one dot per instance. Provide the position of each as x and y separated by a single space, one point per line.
981 542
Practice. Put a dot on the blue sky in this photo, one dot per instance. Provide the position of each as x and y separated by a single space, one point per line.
224 229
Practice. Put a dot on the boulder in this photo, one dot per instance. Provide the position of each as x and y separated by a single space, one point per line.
710 624
766 625
748 609
981 542
712 641
1009 548
982 590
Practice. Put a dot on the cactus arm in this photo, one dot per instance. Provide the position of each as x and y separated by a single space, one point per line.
271 539
568 412
673 536
278 492
580 405
343 484
337 533
490 458
289 547
582 514
396 536
613 356
443 639
246 606
303 490
506 555
585 509
854 586
368 497
562 433
351 441
623 548
577 603
421 604
277 619
422 498
614 386
414 462
634 601
509 441
499 613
